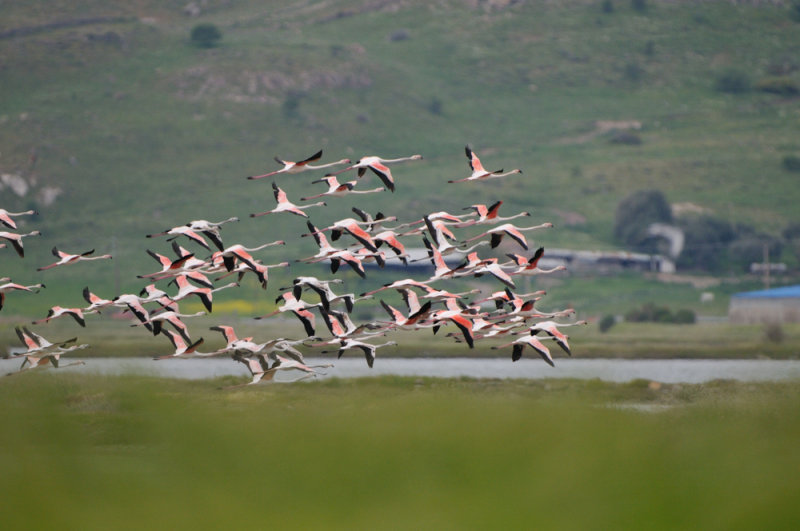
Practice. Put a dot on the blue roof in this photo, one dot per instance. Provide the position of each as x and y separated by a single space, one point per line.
784 292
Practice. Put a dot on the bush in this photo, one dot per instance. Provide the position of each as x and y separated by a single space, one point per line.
205 35
649 312
773 333
607 6
626 138
636 213
606 323
732 82
684 316
639 5
791 163
794 11
784 86
706 242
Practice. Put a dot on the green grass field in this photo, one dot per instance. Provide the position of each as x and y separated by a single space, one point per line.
82 452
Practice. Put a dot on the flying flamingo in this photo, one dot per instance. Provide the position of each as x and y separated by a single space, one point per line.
57 311
95 302
36 344
500 298
301 166
16 240
478 267
183 347
530 266
184 230
260 270
397 284
236 346
323 289
531 341
261 371
205 294
372 223
209 228
325 248
352 227
378 166
368 348
13 286
67 258
551 329
336 189
478 172
510 230
412 322
235 252
53 357
6 217
488 215
174 318
298 307
284 205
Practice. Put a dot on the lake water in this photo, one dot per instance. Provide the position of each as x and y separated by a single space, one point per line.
613 370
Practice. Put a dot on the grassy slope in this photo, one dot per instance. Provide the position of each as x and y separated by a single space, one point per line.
153 132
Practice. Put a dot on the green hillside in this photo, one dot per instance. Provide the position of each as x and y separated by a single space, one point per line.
110 109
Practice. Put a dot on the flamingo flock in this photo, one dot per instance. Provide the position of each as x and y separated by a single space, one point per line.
425 307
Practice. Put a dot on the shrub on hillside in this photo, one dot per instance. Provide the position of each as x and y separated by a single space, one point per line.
732 82
794 11
205 35
626 138
635 213
791 163
706 240
784 86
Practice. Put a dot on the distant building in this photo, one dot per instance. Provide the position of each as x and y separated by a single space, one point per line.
778 305
606 262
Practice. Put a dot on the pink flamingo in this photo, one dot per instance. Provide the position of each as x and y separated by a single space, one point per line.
67 258
13 286
531 341
478 172
378 167
16 240
336 189
6 217
510 230
488 215
300 166
183 347
57 311
284 205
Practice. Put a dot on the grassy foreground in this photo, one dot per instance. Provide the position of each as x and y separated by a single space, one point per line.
88 452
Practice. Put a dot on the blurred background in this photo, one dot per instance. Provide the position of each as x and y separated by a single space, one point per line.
660 138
